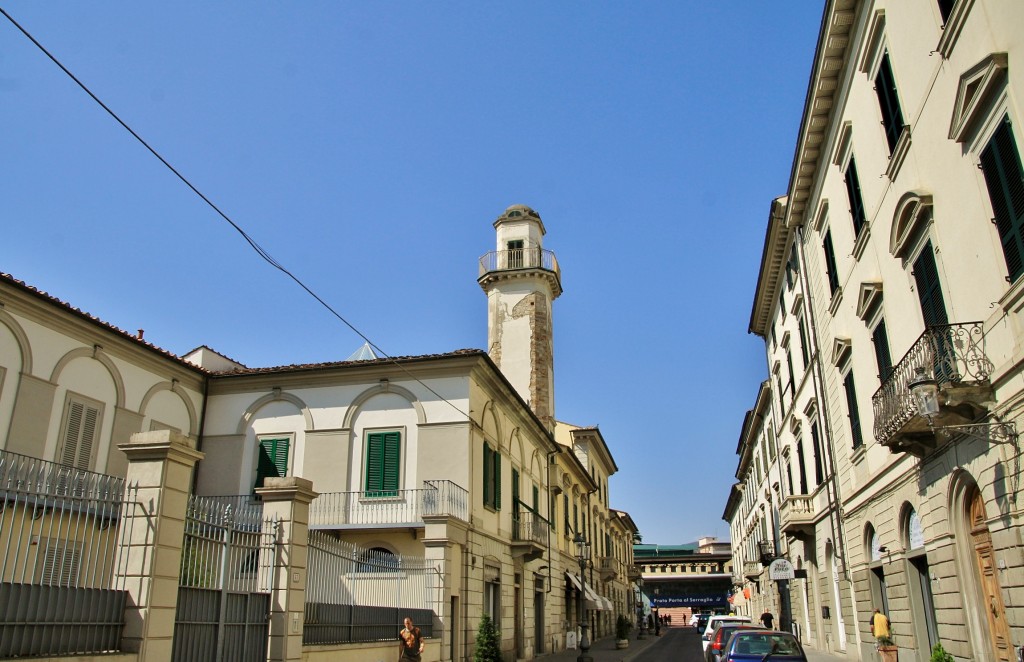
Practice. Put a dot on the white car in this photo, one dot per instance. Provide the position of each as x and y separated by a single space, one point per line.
705 636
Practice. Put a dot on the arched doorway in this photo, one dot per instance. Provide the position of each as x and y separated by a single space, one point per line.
987 576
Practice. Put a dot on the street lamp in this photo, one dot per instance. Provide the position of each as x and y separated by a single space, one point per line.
583 556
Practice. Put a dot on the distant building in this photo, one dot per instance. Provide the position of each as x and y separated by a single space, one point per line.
681 579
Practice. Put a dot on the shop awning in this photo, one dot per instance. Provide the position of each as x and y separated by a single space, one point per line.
607 603
574 579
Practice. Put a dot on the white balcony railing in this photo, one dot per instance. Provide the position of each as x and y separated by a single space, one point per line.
389 507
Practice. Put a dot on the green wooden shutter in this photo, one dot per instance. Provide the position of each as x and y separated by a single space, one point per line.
273 460
830 263
854 194
497 480
383 463
79 435
1004 176
515 493
851 404
881 341
892 114
929 292
536 500
487 471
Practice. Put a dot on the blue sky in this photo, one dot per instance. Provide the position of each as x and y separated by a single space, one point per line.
369 146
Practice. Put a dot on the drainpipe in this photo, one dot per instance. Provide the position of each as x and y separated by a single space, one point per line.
832 484
202 429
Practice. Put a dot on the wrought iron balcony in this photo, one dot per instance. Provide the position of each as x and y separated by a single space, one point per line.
955 355
797 515
389 508
633 573
529 533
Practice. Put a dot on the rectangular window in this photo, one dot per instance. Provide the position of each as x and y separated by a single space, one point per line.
854 195
819 474
492 604
565 505
851 405
515 254
273 460
830 263
80 431
383 456
1004 176
889 102
492 477
880 339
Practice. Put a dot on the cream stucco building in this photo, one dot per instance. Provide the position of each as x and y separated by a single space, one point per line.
894 260
454 457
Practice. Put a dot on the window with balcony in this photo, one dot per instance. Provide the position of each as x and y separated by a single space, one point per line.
1004 176
383 463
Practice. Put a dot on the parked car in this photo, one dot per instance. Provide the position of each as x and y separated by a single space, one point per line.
720 638
702 622
715 620
762 645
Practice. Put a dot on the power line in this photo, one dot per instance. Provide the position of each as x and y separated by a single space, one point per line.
262 252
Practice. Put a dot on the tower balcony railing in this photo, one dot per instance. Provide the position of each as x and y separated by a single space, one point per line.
519 258
954 354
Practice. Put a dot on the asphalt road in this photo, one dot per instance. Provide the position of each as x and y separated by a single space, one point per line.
676 645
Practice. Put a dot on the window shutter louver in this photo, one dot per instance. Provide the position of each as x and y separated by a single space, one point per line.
851 403
488 484
880 339
830 263
929 292
892 114
854 194
1004 177
497 480
392 461
72 433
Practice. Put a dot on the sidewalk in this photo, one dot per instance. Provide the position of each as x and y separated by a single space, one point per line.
603 650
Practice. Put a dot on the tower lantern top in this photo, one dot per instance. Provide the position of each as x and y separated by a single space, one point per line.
520 214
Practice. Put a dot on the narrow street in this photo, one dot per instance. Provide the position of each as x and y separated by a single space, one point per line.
678 644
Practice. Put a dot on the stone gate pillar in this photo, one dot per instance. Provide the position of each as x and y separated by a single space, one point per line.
160 465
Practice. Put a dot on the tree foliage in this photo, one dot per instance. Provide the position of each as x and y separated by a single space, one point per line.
488 647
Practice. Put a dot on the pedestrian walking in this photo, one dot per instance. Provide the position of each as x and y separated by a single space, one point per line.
410 642
880 628
767 619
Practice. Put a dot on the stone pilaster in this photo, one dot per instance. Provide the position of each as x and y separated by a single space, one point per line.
288 500
159 475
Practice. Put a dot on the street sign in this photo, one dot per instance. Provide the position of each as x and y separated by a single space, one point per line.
781 569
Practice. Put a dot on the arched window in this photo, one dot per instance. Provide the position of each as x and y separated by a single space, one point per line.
378 559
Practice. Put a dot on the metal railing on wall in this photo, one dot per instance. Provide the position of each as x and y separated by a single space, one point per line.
397 507
62 571
357 594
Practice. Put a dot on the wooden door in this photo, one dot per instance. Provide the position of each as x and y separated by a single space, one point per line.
992 594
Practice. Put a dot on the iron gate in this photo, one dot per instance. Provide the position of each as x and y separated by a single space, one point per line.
227 569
